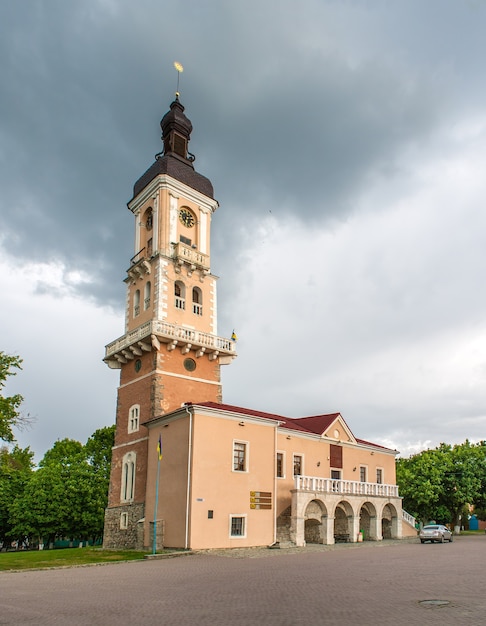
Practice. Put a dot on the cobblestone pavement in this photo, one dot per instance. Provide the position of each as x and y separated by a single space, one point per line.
346 585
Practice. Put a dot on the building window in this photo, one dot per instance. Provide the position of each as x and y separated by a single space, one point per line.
238 526
298 465
240 455
336 474
379 476
180 295
149 219
124 521
280 465
128 477
134 418
362 474
147 295
185 240
336 454
136 303
197 301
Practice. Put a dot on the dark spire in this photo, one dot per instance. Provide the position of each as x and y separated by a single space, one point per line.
175 160
176 131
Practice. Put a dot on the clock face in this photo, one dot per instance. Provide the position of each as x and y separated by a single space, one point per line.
187 218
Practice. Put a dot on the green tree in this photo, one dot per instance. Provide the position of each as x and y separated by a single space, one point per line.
15 470
437 484
67 495
9 406
98 449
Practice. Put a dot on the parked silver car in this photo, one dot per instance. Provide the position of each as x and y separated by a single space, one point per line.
435 532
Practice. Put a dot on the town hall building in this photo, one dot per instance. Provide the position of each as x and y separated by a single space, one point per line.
189 471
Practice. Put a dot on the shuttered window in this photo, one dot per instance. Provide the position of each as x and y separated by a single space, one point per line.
336 456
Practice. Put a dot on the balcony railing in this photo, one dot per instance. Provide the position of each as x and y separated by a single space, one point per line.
345 487
168 333
191 256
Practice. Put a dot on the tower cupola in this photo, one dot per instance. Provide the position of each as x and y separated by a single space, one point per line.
176 131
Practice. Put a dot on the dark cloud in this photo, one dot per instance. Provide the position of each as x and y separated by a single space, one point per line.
315 115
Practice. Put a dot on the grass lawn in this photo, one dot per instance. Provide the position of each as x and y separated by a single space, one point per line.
63 557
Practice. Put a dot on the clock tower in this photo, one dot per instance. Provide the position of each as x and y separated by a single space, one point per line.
170 352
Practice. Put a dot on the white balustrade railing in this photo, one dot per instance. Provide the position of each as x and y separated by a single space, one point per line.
408 518
347 487
171 332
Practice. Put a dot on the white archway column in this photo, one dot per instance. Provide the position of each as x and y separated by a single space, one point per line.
375 528
297 520
354 527
329 539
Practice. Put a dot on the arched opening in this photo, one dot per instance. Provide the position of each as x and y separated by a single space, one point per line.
128 477
389 522
180 295
147 295
367 521
314 531
136 303
197 301
343 527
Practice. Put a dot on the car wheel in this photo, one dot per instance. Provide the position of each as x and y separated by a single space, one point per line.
422 541
442 538
450 540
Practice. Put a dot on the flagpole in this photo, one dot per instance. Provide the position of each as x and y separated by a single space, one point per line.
154 546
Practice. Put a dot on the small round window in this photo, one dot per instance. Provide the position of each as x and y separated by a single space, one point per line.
190 364
138 365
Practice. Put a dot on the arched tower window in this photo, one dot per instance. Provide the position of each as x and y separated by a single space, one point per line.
136 303
134 418
180 295
148 219
128 477
146 295
197 301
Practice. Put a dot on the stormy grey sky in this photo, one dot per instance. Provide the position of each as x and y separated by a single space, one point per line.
346 142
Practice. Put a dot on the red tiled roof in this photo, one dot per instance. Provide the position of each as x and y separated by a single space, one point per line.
315 424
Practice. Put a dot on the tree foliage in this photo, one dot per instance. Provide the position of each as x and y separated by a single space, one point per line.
437 484
15 470
67 495
9 406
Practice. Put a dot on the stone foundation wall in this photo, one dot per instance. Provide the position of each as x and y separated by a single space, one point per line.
129 538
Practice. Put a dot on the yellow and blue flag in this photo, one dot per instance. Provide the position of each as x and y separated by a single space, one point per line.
159 447
233 336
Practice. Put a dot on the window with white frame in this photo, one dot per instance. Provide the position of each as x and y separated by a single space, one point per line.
280 465
238 526
298 464
379 475
134 418
240 456
147 294
180 295
363 474
128 477
136 303
197 301
124 521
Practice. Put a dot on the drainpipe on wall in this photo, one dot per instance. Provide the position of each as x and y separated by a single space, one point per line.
188 491
275 483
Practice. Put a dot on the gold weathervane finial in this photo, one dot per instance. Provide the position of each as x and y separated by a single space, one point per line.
179 69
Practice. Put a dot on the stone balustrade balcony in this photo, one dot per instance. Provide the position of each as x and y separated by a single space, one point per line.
346 487
150 334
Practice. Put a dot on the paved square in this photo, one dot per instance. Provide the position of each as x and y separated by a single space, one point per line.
362 584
